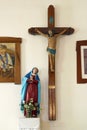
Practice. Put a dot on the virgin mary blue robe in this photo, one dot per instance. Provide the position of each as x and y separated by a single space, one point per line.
24 88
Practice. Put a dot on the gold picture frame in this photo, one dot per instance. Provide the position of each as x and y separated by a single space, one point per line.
10 61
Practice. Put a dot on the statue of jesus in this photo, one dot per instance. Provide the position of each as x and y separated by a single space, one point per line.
51 45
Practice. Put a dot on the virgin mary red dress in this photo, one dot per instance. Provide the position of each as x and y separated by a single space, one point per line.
32 91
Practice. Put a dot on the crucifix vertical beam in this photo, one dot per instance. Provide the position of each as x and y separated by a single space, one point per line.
51 66
51 81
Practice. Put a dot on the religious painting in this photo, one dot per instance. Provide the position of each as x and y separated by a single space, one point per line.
10 60
81 49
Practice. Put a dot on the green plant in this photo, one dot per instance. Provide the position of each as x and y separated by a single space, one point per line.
31 108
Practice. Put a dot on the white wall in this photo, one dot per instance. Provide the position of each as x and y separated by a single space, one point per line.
16 17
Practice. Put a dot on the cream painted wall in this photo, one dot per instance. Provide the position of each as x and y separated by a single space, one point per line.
16 16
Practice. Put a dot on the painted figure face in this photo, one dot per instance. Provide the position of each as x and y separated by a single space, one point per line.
35 70
50 33
3 49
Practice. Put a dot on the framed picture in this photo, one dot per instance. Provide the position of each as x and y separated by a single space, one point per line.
10 62
81 49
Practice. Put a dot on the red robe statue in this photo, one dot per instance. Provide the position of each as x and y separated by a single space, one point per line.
32 90
32 93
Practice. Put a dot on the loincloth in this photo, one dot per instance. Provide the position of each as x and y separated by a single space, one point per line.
51 51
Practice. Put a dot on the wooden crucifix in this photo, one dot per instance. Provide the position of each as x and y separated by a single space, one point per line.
51 32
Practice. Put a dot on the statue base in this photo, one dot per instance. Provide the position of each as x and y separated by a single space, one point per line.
29 124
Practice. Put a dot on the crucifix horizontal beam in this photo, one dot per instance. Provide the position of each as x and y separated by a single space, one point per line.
51 32
56 30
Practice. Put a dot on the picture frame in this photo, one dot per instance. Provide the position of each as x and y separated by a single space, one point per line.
10 61
81 50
